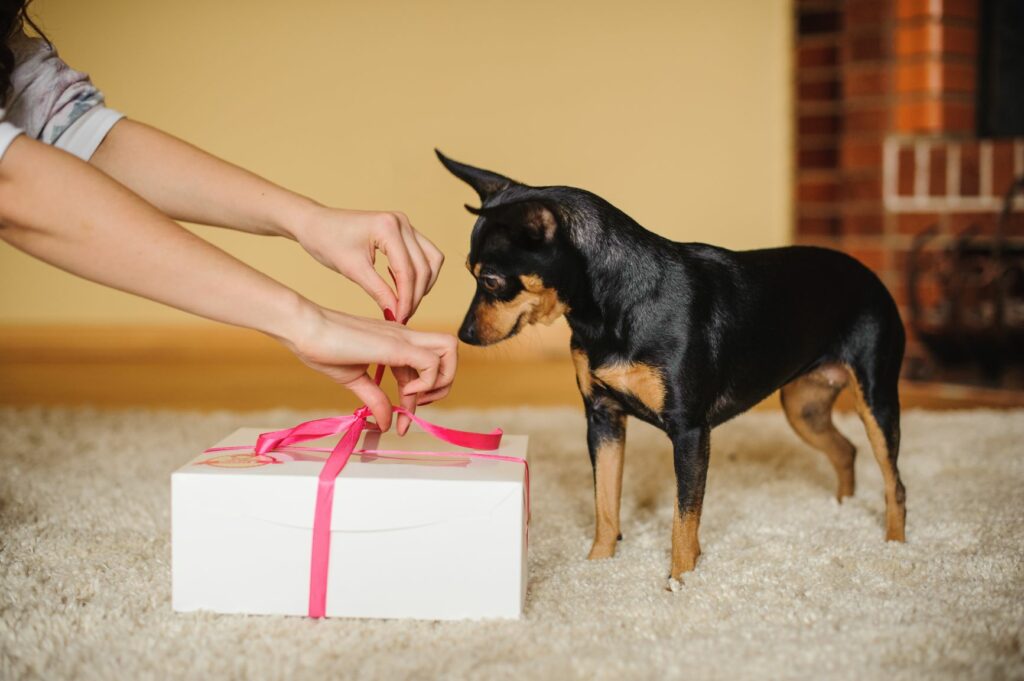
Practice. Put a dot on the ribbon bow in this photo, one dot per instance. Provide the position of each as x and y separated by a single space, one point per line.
352 427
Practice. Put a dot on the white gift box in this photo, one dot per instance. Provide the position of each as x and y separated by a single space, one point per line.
412 536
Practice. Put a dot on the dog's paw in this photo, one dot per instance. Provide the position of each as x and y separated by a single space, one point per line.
674 585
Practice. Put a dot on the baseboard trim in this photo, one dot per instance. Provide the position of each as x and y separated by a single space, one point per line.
216 343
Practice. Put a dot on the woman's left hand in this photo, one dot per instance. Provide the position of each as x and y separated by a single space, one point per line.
347 241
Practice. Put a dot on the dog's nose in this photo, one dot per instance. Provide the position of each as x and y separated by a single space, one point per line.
467 333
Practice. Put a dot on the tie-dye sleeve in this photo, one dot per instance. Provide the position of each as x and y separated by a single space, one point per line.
53 102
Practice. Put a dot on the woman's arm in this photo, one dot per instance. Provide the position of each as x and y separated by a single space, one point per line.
188 184
65 212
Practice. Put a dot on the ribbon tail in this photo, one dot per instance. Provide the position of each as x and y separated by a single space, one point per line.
321 553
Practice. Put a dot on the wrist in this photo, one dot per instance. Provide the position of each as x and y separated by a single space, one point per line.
295 218
293 320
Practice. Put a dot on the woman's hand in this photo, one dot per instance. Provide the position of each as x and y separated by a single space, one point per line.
188 184
347 241
343 346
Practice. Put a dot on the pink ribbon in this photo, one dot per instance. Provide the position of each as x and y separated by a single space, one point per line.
351 427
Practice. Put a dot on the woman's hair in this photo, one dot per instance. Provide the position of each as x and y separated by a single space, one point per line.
12 15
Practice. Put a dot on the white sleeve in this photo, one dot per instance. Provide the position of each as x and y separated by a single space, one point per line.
83 136
7 134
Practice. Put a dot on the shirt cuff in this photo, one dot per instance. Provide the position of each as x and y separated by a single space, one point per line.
7 134
84 135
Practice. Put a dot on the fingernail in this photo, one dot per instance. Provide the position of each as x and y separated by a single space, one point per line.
389 315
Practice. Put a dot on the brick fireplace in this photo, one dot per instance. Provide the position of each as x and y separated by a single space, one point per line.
907 133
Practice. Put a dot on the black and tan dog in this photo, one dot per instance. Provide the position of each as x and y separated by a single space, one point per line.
685 336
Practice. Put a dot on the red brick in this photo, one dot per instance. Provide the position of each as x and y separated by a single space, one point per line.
816 55
937 171
817 190
915 223
926 259
815 21
812 159
1002 166
970 180
905 166
865 46
960 9
1014 226
984 222
817 124
860 154
824 226
934 37
934 76
959 77
865 12
866 119
863 223
869 80
863 188
819 91
874 257
934 115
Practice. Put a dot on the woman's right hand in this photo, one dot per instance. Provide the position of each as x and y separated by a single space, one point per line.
343 346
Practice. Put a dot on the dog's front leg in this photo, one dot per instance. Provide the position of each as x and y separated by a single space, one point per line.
606 439
692 448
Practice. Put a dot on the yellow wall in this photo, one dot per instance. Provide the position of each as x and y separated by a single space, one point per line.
678 112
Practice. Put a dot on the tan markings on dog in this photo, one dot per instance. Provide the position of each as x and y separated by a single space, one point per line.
607 497
807 402
475 270
685 540
582 364
640 380
496 320
549 307
895 495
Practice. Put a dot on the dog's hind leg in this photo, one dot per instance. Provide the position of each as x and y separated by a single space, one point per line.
606 440
877 399
808 402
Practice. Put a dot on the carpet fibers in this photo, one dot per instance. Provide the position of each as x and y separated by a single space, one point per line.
791 584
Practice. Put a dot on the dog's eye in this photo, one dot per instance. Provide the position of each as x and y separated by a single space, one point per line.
491 282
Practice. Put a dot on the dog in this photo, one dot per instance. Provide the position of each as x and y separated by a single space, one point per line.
686 336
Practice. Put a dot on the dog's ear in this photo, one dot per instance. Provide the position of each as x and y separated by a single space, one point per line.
484 182
538 220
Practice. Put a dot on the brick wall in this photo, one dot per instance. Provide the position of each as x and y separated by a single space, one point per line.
885 138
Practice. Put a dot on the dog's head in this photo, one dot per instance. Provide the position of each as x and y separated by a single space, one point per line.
515 254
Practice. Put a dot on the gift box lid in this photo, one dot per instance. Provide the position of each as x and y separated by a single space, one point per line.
389 477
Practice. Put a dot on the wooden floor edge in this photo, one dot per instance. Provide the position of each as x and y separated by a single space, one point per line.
214 343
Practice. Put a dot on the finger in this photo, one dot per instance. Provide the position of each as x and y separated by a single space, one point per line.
403 375
447 349
433 396
435 258
426 374
371 282
392 244
420 265
374 398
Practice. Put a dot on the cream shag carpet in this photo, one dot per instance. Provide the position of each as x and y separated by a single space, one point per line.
791 584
